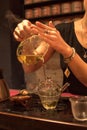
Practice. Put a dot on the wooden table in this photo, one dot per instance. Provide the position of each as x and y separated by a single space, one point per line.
35 117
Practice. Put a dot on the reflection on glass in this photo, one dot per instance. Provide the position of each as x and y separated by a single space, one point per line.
32 50
49 92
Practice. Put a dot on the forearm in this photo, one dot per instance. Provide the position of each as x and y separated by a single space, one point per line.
31 68
79 69
34 67
75 63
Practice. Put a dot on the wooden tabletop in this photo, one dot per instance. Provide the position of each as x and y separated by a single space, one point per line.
33 116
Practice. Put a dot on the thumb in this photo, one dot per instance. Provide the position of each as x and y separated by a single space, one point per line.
51 24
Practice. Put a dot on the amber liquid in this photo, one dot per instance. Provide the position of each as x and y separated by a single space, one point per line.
30 59
49 104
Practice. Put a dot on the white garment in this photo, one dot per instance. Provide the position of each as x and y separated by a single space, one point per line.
52 69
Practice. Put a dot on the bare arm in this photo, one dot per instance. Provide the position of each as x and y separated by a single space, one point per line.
53 37
21 32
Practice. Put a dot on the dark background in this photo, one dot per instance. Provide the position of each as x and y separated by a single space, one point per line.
12 69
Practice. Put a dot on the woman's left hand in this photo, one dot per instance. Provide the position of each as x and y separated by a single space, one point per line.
52 36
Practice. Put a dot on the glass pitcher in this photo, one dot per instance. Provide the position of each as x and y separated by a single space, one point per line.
32 50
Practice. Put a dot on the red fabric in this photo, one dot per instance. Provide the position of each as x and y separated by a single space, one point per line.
67 95
13 92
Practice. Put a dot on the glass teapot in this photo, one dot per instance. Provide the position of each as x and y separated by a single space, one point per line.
31 50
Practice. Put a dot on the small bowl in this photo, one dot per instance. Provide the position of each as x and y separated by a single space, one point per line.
79 107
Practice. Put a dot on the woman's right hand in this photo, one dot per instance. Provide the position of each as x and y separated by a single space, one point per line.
23 30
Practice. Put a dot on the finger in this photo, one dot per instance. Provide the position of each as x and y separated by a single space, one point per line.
48 37
47 40
20 30
51 24
26 26
17 32
37 30
23 28
18 38
43 26
26 22
46 29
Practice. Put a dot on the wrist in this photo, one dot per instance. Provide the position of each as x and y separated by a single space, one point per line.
68 59
67 52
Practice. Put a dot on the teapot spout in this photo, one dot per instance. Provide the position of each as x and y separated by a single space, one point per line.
65 86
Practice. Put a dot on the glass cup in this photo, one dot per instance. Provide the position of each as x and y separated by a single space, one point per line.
32 50
49 93
79 107
49 101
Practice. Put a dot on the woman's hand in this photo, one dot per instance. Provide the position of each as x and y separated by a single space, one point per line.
53 38
23 30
